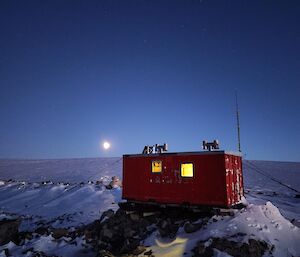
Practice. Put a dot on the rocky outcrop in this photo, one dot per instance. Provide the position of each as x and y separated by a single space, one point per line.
120 233
9 230
190 227
116 234
254 248
59 233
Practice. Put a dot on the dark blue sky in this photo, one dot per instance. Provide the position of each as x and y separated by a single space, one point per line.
75 73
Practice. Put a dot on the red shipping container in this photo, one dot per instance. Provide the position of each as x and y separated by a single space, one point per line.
212 178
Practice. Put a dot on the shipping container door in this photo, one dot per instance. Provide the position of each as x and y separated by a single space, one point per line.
187 175
155 171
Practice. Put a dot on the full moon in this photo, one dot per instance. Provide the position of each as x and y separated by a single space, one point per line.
106 145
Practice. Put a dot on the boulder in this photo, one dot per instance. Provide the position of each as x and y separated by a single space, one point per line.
134 216
59 233
9 230
42 231
257 248
192 227
167 228
107 214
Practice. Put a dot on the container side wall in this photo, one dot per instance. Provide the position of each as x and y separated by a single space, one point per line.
206 187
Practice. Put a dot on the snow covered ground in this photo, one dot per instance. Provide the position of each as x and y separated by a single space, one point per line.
58 193
260 188
60 170
261 222
58 205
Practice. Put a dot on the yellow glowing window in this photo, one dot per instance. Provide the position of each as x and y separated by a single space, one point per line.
156 166
187 170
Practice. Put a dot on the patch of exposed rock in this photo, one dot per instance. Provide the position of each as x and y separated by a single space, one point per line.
9 230
122 233
254 248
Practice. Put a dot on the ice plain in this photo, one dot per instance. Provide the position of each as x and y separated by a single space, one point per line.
63 193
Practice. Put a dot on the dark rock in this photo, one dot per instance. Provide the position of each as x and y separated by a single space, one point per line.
42 231
239 234
163 224
88 234
128 232
201 248
192 227
28 250
9 230
104 253
107 233
167 228
121 233
59 233
257 248
102 245
202 251
134 216
239 206
22 236
129 245
295 223
148 253
140 249
253 249
41 254
107 214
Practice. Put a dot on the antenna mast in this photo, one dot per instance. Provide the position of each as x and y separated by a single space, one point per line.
238 121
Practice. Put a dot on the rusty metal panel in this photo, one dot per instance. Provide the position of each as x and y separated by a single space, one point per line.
234 179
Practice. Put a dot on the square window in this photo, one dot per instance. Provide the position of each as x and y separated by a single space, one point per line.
156 166
187 170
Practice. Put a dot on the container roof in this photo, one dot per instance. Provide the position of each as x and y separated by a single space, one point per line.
187 153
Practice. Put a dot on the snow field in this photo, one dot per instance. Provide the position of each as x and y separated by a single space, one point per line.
58 193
